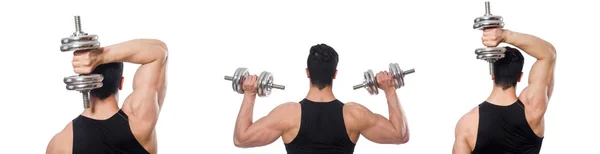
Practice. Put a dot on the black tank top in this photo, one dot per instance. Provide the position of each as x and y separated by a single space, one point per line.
504 130
322 130
110 136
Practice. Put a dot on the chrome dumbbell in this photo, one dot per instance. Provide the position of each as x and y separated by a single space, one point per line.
265 82
83 83
370 82
489 54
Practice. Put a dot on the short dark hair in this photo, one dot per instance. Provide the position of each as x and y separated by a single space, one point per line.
507 70
322 64
112 73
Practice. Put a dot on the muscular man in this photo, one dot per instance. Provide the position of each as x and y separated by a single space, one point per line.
104 128
320 123
505 123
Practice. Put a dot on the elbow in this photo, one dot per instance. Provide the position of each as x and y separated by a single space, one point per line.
159 47
163 49
402 138
552 55
239 143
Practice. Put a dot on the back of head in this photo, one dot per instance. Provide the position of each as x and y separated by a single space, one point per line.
322 65
112 73
507 70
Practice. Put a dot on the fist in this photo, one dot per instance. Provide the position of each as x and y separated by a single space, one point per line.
492 37
250 84
385 81
85 61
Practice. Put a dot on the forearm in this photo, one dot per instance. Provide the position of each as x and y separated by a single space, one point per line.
137 51
396 114
532 45
244 119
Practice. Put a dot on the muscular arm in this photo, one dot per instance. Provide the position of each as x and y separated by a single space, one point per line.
541 76
462 132
265 130
149 84
379 129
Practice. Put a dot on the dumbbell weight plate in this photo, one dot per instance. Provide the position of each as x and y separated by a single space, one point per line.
371 83
490 53
488 22
265 81
397 74
82 38
238 79
84 42
83 82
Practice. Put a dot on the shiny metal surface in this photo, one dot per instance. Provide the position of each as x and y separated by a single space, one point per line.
370 82
84 84
264 86
80 40
489 54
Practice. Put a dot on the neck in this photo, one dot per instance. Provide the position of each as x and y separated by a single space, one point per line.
502 97
102 109
323 95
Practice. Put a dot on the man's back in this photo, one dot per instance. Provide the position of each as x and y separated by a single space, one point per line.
504 129
112 135
115 134
322 129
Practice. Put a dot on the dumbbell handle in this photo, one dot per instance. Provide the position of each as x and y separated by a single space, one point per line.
358 86
86 98
276 86
487 8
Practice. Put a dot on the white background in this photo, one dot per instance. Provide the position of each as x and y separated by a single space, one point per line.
210 39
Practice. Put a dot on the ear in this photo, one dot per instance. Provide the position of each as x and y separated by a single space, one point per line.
334 74
121 84
493 77
520 76
307 73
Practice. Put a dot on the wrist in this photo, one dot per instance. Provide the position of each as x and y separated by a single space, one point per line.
103 58
507 36
389 92
249 97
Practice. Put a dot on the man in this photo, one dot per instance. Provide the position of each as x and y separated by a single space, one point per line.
505 123
104 128
320 123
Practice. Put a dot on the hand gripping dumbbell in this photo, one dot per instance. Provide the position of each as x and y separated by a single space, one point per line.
370 82
83 83
489 54
265 82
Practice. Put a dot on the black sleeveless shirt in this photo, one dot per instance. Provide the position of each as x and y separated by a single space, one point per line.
504 130
110 136
322 130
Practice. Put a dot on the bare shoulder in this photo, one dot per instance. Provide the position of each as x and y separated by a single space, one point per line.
468 122
354 108
357 116
287 109
286 115
62 142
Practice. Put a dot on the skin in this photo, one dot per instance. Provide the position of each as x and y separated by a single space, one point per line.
535 96
142 106
284 120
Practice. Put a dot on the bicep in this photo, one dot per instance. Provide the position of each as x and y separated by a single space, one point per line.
264 131
378 129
